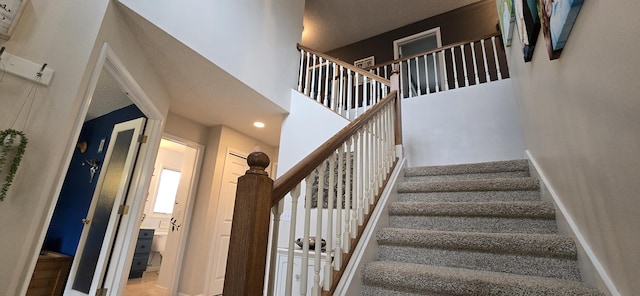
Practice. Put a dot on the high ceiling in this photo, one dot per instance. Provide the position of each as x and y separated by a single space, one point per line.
205 93
329 24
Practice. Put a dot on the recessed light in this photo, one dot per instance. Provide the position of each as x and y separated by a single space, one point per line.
258 124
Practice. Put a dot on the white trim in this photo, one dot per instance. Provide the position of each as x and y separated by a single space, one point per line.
175 281
574 228
352 267
404 40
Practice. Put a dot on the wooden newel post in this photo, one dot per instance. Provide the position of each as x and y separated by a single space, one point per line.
246 260
395 85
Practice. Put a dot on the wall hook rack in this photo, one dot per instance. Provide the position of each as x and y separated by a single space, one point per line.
41 74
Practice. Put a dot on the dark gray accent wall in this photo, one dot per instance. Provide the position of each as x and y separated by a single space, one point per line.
465 23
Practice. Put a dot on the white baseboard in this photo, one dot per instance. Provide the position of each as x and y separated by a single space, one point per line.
574 228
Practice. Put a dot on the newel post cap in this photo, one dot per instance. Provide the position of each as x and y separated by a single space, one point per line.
258 162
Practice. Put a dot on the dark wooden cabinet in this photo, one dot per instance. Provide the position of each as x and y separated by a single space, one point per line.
50 274
141 254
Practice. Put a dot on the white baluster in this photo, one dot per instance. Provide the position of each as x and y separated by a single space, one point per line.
446 77
357 89
304 272
436 71
348 189
418 82
349 93
301 69
318 97
360 181
341 102
366 172
276 211
313 79
409 80
317 263
464 65
364 93
326 85
401 93
334 89
328 271
495 56
340 195
295 194
356 181
455 68
484 55
475 64
306 76
426 73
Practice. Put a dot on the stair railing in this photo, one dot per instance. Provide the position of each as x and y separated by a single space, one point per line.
335 188
344 88
449 67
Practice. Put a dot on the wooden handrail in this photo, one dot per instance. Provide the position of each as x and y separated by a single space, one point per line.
295 175
346 65
434 51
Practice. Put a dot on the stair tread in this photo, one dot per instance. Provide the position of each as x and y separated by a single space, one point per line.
499 184
410 277
508 209
545 245
472 168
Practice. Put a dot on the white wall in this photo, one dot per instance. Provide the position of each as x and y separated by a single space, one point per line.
307 126
581 119
472 124
63 34
253 40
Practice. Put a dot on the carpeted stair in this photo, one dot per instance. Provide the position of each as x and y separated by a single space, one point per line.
474 229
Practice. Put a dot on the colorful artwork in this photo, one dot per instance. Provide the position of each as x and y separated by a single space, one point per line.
528 22
507 19
558 17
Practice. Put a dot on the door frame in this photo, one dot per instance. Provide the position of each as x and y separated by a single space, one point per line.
138 126
123 242
408 39
172 288
230 152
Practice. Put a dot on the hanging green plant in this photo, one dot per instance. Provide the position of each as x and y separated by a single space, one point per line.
7 139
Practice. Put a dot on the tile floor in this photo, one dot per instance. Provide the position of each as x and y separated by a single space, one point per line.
144 286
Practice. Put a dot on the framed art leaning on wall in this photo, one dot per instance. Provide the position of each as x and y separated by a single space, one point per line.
528 23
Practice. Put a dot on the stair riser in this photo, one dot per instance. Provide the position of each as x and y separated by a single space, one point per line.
481 196
518 264
472 168
474 224
385 278
479 176
518 184
380 291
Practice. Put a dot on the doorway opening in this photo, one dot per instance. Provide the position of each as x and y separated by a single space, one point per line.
107 172
162 235
422 74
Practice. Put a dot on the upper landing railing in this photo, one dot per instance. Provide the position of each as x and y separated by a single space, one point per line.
341 87
450 67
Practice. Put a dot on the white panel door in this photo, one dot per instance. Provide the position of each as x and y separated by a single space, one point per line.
235 166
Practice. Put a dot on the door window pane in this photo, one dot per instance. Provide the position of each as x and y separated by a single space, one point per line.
167 190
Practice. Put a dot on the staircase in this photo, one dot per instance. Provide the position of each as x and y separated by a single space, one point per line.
474 229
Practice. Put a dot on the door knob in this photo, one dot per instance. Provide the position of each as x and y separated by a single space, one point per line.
86 220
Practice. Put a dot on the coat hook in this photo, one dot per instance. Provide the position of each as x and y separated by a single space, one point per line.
39 74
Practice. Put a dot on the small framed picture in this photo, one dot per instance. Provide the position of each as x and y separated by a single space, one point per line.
10 11
558 17
365 63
